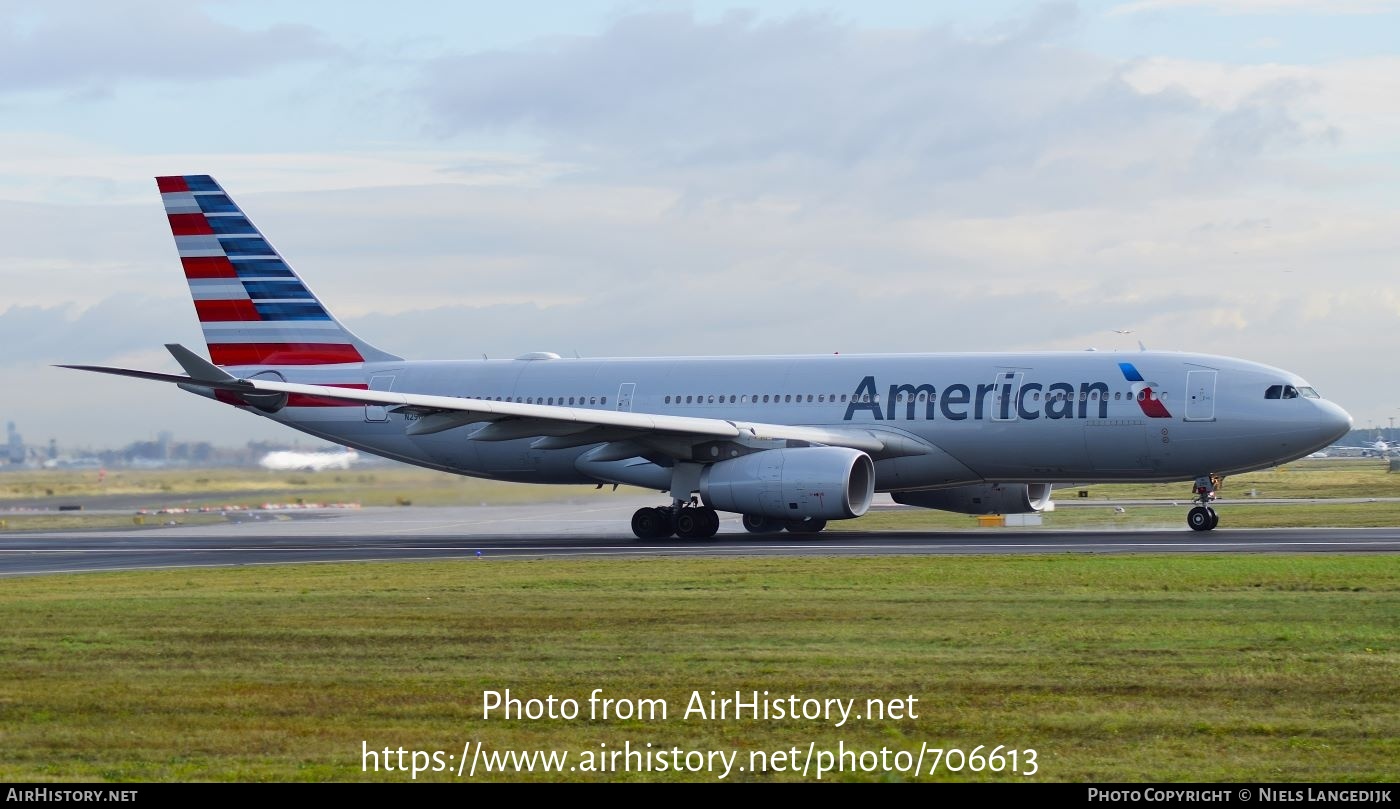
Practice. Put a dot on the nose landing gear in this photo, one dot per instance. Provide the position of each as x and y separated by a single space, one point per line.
1202 517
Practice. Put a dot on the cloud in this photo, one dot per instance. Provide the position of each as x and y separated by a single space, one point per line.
92 47
826 113
663 90
1259 6
117 325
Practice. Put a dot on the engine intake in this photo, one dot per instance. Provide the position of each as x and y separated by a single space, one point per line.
828 483
983 498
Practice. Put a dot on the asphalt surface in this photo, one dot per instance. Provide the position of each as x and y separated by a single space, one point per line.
564 530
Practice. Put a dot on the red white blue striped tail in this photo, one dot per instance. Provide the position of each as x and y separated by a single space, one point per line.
253 308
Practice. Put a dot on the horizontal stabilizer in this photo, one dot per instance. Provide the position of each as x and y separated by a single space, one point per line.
231 383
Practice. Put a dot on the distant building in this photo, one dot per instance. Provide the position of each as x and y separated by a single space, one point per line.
14 444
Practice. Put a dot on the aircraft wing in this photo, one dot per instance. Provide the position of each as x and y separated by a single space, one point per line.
512 420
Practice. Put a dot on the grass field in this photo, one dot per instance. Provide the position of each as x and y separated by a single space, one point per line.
1181 668
376 486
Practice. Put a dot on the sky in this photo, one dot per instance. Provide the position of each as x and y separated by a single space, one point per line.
649 178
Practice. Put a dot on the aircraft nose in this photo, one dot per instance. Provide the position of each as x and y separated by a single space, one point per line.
1334 422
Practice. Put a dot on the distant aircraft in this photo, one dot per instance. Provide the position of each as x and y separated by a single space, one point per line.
1377 449
789 442
309 461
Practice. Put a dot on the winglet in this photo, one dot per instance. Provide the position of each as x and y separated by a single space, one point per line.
199 369
204 373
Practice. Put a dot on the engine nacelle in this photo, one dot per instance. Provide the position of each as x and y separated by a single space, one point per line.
827 483
983 498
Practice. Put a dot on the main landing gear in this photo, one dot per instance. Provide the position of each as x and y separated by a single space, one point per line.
757 524
686 520
1202 517
695 521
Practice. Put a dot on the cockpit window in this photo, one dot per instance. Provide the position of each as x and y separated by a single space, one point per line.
1290 392
1274 392
1309 393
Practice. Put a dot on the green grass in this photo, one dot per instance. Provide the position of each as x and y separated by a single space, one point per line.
380 486
78 521
1180 668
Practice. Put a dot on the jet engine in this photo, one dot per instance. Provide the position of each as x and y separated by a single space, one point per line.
982 498
825 483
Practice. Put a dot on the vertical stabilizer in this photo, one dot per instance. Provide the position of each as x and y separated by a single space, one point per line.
253 308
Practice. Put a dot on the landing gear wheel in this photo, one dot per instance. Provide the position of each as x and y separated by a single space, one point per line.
713 517
1199 518
1214 518
697 523
808 526
758 524
652 523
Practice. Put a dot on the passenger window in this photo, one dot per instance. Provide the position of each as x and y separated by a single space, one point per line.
712 398
843 397
731 398
821 397
765 398
603 400
788 398
668 400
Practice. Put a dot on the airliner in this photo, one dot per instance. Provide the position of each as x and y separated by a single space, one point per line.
291 460
1378 448
788 442
1368 449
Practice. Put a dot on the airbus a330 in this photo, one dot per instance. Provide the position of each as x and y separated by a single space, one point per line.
789 442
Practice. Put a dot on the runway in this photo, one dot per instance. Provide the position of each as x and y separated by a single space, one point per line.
568 530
